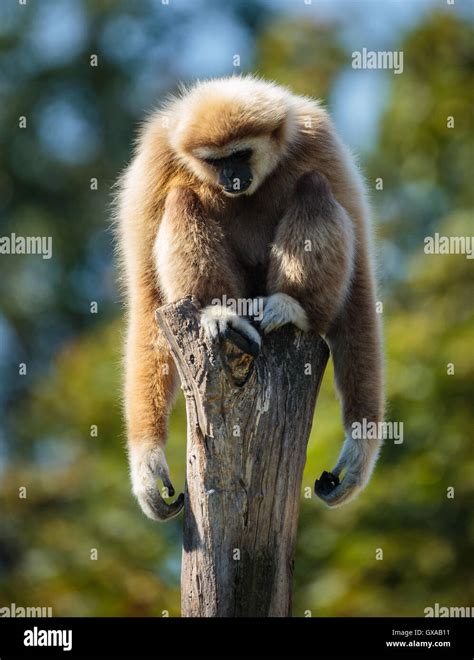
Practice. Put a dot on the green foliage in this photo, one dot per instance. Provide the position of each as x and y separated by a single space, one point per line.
78 497
301 54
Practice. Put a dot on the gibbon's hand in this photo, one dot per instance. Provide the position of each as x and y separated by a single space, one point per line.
217 319
146 464
358 458
280 309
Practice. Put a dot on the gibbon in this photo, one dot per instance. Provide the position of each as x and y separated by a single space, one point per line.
238 188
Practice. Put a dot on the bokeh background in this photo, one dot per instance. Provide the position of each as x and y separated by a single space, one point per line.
61 425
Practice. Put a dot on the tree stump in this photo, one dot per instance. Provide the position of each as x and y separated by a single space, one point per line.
249 420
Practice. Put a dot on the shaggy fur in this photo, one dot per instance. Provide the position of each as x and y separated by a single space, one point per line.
301 229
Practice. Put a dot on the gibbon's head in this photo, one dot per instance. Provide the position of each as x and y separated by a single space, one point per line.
232 132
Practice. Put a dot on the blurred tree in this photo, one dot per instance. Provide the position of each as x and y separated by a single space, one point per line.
303 55
433 161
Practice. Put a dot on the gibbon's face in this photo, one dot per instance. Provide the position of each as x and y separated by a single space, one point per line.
233 171
232 133
239 167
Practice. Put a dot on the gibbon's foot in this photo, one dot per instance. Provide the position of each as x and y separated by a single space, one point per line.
357 459
146 464
280 309
219 321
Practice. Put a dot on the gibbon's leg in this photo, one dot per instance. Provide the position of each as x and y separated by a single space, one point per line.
311 259
314 260
192 258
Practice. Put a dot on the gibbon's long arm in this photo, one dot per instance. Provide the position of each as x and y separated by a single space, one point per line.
355 343
150 376
315 260
201 267
150 381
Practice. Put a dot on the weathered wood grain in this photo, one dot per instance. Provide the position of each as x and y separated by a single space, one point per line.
249 421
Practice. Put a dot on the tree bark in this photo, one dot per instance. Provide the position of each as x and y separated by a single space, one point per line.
249 420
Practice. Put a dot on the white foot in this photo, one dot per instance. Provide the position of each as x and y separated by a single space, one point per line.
281 309
216 318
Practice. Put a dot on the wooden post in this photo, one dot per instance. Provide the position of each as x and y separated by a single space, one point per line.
249 420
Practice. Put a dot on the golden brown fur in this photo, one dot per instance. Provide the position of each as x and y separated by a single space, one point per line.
302 229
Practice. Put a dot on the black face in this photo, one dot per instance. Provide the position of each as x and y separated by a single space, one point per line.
235 175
